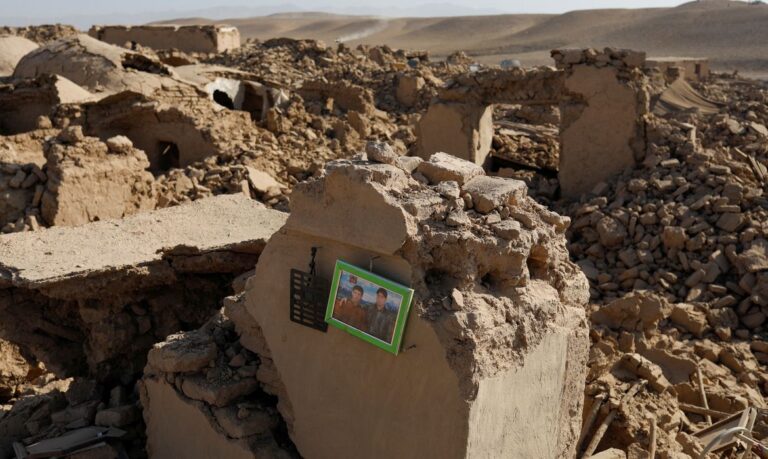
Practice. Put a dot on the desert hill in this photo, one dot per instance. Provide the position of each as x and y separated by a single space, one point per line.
731 33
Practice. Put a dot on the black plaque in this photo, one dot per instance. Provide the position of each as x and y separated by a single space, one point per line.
309 298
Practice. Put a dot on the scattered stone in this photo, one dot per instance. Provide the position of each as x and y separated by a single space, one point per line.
489 193
189 351
443 167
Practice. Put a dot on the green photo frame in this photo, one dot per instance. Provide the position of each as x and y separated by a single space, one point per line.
368 306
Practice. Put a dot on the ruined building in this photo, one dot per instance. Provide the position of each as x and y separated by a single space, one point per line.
585 244
591 89
199 39
497 307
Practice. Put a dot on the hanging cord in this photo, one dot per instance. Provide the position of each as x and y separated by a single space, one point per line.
370 263
312 264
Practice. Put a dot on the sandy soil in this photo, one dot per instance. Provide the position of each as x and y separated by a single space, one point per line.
731 33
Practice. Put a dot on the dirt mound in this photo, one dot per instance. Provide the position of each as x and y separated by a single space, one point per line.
12 49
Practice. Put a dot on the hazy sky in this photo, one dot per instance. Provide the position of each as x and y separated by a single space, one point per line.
31 8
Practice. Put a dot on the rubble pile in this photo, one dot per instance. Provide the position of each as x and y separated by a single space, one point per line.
41 34
688 224
46 407
649 364
673 252
21 156
116 323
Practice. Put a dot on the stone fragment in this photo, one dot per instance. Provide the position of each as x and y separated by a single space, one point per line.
217 393
408 163
734 127
442 167
508 229
260 181
183 352
449 189
691 319
489 193
381 152
758 129
120 416
119 144
635 311
674 237
82 390
730 221
611 231
648 370
755 258
408 87
458 218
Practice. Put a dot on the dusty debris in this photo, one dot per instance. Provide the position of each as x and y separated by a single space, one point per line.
652 185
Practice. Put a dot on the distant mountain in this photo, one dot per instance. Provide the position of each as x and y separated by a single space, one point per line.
732 33
84 21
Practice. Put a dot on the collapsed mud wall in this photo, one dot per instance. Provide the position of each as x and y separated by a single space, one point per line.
190 39
460 120
88 180
96 66
204 381
175 132
93 299
498 306
603 109
23 102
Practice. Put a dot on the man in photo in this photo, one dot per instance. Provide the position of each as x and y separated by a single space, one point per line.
350 310
381 320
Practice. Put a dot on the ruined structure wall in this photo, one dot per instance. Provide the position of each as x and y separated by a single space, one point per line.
548 364
91 181
21 107
104 292
459 364
368 394
201 39
462 130
603 109
693 69
157 138
460 120
596 130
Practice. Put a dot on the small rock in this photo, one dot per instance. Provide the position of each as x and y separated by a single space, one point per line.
381 152
183 352
442 167
119 144
489 193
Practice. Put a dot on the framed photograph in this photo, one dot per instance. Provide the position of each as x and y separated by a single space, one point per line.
368 306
